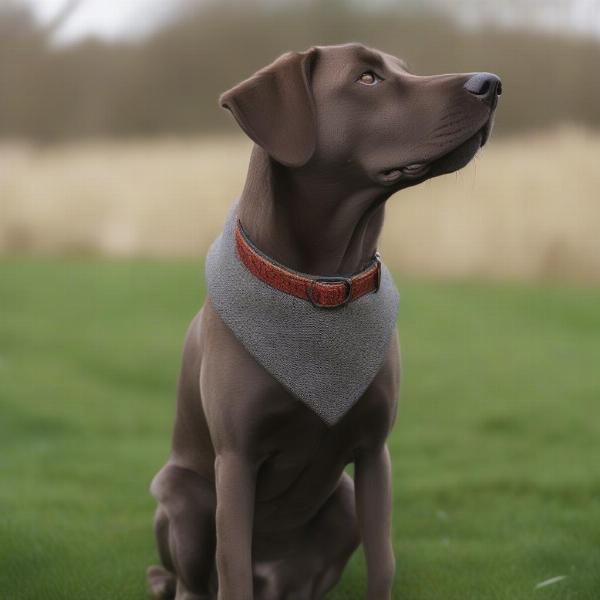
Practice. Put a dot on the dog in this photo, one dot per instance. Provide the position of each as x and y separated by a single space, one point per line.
254 501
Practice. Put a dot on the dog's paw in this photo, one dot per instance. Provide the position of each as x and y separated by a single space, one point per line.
161 582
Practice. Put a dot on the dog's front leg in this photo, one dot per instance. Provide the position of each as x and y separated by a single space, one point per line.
373 483
235 484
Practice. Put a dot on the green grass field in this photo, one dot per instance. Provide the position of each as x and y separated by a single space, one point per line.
496 450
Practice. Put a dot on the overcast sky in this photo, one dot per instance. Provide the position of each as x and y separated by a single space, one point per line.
118 18
105 18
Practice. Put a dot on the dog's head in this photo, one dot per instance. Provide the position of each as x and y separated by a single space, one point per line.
359 113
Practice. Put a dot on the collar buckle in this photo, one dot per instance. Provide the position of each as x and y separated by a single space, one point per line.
330 280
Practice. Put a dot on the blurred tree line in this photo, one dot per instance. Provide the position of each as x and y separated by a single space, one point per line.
168 82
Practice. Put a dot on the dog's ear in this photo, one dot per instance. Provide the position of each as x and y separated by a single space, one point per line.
275 108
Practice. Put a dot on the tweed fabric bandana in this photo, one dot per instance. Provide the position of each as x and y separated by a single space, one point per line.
326 358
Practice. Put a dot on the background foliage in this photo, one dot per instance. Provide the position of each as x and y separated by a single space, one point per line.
169 81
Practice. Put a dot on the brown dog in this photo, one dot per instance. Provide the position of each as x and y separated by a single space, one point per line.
254 497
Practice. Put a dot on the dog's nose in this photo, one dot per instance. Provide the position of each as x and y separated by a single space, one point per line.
486 86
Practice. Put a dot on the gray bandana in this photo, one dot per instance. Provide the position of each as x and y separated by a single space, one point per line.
326 358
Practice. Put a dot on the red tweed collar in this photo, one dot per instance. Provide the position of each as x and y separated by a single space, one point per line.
321 292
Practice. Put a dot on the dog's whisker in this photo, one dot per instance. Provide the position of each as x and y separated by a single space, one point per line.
450 115
446 125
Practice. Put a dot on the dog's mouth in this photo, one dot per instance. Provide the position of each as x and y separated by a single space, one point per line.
449 161
408 172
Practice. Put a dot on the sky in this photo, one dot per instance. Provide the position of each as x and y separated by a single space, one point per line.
104 18
123 18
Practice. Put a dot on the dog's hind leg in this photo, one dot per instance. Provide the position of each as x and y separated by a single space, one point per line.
185 534
311 558
335 532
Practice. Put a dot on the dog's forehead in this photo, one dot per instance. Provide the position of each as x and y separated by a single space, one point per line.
395 61
360 53
352 51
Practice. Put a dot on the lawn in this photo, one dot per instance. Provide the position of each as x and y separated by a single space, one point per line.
496 450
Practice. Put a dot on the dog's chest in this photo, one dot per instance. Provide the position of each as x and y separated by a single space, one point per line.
302 453
292 471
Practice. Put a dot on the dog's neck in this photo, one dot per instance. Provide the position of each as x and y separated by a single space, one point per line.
311 222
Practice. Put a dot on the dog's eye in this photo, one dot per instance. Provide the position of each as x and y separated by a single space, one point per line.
369 78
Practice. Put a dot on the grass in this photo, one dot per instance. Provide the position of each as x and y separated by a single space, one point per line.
495 451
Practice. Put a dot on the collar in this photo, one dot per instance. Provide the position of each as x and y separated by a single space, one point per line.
321 292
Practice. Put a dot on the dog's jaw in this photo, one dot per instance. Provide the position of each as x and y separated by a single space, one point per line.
448 162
